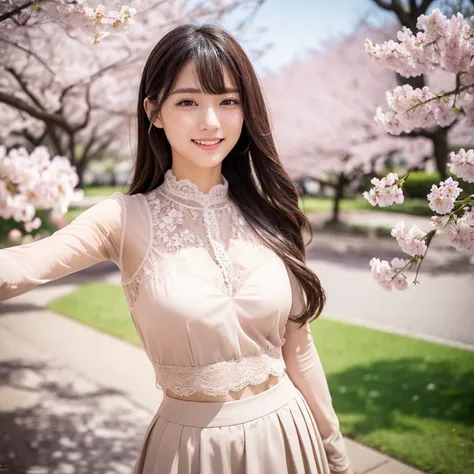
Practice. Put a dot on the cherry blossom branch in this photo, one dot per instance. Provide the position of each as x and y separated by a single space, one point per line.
15 11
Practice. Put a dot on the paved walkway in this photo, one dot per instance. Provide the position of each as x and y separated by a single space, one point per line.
74 400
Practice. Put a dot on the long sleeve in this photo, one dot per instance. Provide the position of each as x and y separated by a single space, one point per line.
304 368
94 236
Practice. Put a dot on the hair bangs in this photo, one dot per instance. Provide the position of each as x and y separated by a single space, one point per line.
211 63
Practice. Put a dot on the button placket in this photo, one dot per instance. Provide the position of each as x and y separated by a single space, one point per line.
222 259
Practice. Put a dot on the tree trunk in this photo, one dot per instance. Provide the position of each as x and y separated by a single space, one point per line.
339 194
440 141
80 170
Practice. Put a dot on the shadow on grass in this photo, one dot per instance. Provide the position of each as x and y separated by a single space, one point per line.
57 423
380 391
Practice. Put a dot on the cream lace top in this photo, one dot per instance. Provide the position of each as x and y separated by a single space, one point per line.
211 303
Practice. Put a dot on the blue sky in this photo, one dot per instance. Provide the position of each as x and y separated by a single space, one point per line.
294 26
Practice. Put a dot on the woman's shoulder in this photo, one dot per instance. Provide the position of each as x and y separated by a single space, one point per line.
129 200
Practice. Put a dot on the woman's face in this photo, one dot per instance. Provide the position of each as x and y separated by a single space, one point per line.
189 115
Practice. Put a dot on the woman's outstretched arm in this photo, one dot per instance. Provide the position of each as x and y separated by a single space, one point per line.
94 236
305 370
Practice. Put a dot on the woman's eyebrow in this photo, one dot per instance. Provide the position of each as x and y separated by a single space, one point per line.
193 90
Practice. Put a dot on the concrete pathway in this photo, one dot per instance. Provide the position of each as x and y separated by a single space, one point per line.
74 400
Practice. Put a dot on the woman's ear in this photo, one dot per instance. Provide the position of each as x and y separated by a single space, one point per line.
148 106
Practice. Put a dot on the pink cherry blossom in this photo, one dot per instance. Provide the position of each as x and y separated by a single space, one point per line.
459 232
441 199
446 45
462 164
442 44
14 235
31 181
388 274
410 242
385 192
98 22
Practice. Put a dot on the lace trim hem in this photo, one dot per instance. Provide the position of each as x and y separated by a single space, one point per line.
220 378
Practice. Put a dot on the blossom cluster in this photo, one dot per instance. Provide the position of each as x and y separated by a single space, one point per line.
388 274
418 108
442 43
457 224
458 229
32 181
411 242
442 198
100 20
462 164
385 192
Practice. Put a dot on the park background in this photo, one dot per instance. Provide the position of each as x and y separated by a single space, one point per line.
76 391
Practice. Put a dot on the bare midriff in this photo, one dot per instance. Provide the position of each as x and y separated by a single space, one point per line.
248 391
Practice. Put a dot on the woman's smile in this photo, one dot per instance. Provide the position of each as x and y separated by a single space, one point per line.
208 144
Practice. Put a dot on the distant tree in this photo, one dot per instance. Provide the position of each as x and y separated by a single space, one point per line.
323 114
58 90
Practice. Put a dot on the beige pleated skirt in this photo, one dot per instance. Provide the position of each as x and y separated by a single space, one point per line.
272 432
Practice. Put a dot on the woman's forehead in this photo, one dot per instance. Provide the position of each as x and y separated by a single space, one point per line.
188 78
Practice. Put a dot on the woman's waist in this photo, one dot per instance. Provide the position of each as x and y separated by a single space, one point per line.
246 392
225 380
226 413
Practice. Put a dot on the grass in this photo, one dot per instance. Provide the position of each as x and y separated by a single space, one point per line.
72 213
311 204
380 383
101 306
412 206
103 190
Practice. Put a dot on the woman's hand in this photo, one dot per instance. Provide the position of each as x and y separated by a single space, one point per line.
346 471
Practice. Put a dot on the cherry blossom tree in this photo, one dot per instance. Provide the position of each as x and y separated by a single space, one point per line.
81 105
407 13
96 20
446 44
323 115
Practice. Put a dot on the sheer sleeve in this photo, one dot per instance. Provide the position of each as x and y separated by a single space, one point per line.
94 236
304 368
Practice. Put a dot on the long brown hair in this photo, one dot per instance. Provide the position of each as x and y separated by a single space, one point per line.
258 183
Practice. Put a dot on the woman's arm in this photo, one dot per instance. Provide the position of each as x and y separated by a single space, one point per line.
304 368
94 236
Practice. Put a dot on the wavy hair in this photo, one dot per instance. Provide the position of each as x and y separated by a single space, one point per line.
258 183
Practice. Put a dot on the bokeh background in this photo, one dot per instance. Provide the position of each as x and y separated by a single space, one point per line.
76 391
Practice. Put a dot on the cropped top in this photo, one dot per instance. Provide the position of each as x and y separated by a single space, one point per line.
212 304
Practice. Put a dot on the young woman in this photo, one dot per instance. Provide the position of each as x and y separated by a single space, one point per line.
209 242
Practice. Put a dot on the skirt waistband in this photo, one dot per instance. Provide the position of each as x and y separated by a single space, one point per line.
214 414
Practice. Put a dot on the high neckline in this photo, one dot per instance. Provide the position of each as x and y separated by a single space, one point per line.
187 192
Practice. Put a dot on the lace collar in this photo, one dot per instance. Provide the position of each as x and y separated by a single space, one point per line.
186 192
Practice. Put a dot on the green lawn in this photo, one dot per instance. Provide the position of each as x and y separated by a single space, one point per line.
380 383
102 306
410 206
103 190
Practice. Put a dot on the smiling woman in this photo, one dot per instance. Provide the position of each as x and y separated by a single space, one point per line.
210 246
191 118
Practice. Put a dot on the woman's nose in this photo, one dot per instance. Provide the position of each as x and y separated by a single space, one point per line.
209 119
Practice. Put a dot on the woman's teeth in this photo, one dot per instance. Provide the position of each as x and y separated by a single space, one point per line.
201 142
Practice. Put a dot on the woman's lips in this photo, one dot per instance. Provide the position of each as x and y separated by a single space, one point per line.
208 147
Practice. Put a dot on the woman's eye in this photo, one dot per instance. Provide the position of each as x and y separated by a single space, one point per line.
186 103
190 103
231 100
